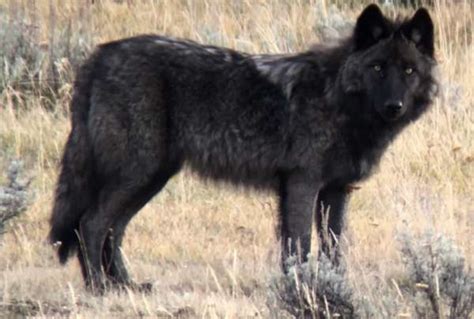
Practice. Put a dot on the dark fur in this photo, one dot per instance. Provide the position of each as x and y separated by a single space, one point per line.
303 124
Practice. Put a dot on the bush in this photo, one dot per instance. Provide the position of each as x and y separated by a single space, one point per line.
14 197
315 289
439 286
30 65
436 284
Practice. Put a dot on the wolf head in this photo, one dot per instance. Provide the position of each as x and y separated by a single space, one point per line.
390 65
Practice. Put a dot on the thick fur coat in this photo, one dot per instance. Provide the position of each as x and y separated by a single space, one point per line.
305 125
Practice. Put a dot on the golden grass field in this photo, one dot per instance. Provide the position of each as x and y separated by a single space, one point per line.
211 250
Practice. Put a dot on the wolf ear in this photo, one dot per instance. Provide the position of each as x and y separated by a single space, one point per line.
420 30
371 26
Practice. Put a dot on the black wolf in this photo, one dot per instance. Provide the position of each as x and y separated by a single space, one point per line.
305 125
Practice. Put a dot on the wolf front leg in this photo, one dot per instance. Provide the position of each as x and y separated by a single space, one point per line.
330 218
298 192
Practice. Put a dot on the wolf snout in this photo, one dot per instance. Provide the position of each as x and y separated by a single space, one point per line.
394 106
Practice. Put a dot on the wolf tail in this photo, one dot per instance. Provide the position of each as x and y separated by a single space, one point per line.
74 191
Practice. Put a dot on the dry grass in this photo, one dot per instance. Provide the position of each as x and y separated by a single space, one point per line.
211 251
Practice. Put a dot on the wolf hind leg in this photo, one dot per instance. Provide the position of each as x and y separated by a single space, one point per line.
93 229
112 257
100 258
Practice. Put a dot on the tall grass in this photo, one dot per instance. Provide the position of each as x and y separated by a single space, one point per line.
212 250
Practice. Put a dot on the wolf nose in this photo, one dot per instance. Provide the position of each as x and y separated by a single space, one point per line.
394 106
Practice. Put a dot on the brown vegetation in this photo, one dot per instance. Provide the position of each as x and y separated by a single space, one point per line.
225 260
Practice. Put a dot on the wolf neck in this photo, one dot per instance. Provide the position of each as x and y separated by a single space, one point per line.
281 70
317 68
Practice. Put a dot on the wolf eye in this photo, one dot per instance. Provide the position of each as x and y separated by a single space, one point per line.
408 71
377 68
